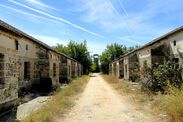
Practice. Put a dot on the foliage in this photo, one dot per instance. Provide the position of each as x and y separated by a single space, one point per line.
113 51
77 51
160 76
135 73
95 65
133 48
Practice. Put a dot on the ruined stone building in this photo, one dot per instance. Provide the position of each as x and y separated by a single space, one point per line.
25 61
156 51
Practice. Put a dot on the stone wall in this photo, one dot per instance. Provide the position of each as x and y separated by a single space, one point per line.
9 75
24 62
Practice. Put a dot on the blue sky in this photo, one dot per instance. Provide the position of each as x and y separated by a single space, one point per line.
100 22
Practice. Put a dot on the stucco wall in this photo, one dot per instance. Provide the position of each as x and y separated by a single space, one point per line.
54 70
126 68
117 69
144 55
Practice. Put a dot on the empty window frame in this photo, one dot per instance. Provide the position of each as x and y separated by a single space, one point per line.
16 44
26 70
174 43
27 47
54 69
1 69
126 70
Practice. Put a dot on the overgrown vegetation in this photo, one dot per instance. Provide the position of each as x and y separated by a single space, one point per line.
59 103
160 76
78 51
172 104
134 73
112 52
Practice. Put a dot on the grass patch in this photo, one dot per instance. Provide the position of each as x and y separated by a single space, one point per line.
60 103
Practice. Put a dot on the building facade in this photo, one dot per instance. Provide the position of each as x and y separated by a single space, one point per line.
151 54
26 61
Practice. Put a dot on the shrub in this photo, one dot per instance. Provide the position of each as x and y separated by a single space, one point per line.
135 73
158 77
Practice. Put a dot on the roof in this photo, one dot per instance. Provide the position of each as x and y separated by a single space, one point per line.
21 33
152 42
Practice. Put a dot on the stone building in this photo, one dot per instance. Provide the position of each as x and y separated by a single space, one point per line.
155 52
25 61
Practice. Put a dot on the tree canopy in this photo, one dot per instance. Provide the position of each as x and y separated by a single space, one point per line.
77 51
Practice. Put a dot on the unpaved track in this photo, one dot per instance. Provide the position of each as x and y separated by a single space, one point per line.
100 103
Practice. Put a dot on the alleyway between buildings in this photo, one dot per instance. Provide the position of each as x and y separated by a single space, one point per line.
101 103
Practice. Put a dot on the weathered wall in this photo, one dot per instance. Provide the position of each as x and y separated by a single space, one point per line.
117 69
25 61
9 65
121 68
54 67
178 37
69 69
144 55
73 71
126 68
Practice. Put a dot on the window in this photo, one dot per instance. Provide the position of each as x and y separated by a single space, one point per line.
26 70
174 43
54 69
126 68
16 44
1 69
175 60
27 47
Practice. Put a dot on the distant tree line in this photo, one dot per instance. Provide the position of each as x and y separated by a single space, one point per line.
112 52
80 52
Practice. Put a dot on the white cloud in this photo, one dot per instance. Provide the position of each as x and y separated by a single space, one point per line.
115 18
28 14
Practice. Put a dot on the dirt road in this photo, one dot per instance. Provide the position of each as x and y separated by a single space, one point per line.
100 103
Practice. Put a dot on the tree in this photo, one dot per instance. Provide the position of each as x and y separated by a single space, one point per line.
77 51
131 48
112 52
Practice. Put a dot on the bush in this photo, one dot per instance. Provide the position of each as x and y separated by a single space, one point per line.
158 77
135 73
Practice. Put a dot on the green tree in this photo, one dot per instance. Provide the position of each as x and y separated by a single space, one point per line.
131 48
77 51
112 52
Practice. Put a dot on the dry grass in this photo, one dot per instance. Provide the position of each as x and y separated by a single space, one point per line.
60 103
172 104
126 88
144 101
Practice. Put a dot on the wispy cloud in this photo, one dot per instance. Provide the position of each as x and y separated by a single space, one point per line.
41 4
28 14
49 40
56 18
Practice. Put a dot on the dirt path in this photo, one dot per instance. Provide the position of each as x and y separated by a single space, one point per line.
100 103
